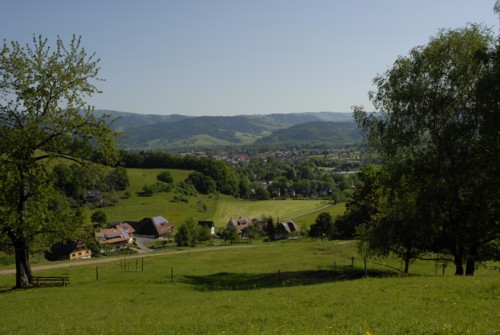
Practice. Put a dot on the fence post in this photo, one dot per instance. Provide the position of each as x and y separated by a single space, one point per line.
96 272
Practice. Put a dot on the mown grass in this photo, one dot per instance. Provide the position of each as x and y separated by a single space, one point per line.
218 208
289 287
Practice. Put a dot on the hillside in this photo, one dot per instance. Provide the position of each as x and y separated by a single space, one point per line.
167 131
318 131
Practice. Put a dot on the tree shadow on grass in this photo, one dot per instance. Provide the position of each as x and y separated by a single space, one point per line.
226 281
7 290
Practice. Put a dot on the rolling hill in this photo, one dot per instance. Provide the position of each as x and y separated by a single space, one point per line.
167 131
317 131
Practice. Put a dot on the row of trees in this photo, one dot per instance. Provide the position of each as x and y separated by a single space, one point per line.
436 131
73 179
259 180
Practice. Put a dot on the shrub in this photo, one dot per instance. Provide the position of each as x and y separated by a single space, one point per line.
165 176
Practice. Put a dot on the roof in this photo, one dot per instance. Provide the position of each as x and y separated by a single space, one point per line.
125 227
159 220
289 226
112 235
239 223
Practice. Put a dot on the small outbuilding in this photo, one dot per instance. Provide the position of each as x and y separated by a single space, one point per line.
285 229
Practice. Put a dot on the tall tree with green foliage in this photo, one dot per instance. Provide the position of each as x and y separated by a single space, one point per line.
99 218
434 128
323 226
43 117
187 235
389 220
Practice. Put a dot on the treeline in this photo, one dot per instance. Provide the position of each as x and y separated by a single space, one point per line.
260 179
224 177
73 180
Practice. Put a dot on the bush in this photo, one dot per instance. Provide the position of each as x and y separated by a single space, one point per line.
165 177
99 217
157 187
187 234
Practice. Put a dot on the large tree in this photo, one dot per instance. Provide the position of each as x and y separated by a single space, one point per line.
44 117
386 211
434 125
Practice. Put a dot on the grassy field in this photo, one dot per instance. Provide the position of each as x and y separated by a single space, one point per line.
219 208
298 286
288 287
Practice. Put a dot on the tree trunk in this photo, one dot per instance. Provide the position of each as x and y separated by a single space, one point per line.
470 266
24 277
407 265
459 266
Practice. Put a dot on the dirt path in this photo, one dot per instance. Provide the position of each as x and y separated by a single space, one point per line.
114 259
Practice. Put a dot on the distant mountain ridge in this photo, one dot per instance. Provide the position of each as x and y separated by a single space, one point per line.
316 131
148 131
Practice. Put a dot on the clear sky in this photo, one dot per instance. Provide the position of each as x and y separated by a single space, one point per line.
230 57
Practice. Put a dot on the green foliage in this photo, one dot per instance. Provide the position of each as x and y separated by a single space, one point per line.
118 179
230 234
165 176
186 188
323 228
318 131
43 116
73 179
187 234
270 228
261 192
438 108
157 187
203 233
99 217
203 184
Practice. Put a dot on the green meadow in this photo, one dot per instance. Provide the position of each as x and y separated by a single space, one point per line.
299 286
218 208
290 287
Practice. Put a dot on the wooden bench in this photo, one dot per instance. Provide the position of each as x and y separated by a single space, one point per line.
59 281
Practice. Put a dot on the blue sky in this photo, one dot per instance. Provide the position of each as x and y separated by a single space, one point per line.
222 57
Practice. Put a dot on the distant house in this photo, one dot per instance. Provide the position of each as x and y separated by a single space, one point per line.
153 227
68 250
113 239
209 224
93 197
285 229
239 223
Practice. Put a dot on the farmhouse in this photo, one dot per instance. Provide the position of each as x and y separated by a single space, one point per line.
68 250
113 239
239 223
153 227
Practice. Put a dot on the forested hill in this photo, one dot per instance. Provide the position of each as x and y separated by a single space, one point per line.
318 131
166 131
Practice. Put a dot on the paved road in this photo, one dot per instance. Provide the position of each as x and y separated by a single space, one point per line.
86 262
